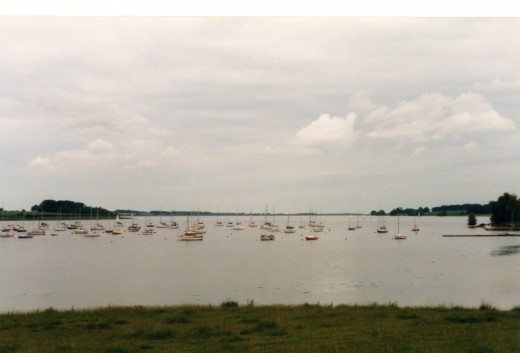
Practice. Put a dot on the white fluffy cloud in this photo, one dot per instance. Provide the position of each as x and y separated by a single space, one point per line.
329 131
434 116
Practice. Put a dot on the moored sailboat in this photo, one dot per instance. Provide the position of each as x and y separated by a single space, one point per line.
189 234
399 235
381 225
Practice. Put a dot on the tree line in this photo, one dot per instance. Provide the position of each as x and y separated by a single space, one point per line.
505 210
69 207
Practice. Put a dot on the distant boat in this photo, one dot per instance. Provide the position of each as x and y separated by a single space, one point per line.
163 225
350 226
302 224
148 231
358 225
266 237
266 224
36 231
252 223
118 222
24 236
39 230
97 226
238 226
381 225
218 222
60 227
382 229
311 236
190 235
399 235
415 227
289 228
134 227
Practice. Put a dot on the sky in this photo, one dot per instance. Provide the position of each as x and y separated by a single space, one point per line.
236 113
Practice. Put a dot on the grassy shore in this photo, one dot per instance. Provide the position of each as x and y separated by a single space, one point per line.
232 328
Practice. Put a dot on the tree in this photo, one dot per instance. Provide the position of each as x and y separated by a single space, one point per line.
505 209
472 220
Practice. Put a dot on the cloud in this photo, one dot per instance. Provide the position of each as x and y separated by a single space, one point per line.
40 162
326 132
435 116
100 146
471 113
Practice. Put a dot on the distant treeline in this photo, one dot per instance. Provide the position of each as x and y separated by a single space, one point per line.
403 211
443 210
79 208
467 208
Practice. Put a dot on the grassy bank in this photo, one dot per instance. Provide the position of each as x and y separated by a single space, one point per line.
230 328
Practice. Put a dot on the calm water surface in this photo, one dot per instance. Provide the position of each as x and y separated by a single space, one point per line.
342 267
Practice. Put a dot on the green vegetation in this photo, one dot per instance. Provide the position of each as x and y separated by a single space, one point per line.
69 207
233 328
505 209
472 220
463 209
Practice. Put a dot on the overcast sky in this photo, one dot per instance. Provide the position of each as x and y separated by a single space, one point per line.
227 113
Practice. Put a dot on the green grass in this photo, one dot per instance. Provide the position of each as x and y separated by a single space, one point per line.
233 328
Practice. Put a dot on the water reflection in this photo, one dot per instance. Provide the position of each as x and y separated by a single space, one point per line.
506 250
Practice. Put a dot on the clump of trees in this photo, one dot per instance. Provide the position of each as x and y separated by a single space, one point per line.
505 209
69 207
472 220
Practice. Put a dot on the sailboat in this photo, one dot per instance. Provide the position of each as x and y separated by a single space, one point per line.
219 222
358 225
399 235
311 237
238 225
381 225
60 227
350 226
252 223
415 227
289 228
36 230
190 235
274 227
118 222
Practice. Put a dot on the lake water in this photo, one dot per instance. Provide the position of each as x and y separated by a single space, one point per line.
342 267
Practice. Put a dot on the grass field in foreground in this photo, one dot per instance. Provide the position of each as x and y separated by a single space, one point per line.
232 328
